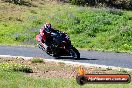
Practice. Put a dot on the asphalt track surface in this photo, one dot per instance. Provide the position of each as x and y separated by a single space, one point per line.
93 57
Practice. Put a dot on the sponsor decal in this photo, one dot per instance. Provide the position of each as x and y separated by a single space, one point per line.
83 78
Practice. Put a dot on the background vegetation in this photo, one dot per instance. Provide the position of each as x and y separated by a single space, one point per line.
90 28
120 4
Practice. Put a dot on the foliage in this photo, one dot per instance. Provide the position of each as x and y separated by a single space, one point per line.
120 4
36 60
15 67
19 2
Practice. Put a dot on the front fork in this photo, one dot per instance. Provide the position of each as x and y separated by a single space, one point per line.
41 47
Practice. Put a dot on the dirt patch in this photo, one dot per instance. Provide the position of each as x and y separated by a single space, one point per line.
53 74
52 70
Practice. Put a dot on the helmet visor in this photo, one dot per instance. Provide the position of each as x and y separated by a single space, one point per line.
48 30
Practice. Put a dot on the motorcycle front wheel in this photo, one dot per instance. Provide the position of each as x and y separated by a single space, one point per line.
74 53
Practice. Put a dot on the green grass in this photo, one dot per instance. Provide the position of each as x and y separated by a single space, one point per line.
90 28
36 60
18 80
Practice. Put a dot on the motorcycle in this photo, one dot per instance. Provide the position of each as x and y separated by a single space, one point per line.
61 46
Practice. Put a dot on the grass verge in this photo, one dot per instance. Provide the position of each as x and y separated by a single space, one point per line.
51 75
15 80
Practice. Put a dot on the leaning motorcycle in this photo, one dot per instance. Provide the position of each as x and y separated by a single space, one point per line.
61 46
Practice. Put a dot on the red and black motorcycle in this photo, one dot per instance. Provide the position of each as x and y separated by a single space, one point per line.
61 46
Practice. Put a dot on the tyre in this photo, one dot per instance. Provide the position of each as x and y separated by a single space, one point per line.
56 56
75 53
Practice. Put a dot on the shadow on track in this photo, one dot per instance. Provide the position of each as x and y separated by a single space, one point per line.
71 58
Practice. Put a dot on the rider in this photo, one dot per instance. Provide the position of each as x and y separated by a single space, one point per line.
44 37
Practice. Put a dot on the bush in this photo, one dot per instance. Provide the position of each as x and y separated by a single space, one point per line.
115 12
19 2
78 2
36 60
120 4
15 67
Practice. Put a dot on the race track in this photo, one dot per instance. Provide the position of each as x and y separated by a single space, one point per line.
92 57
